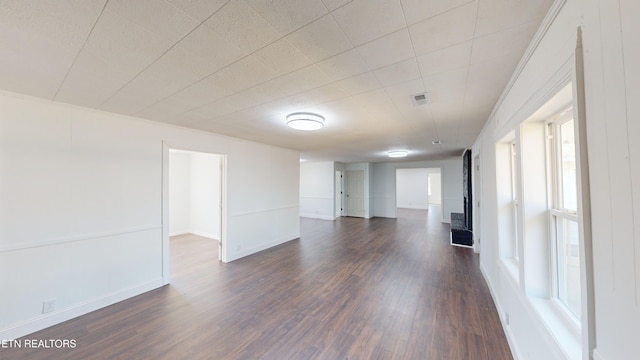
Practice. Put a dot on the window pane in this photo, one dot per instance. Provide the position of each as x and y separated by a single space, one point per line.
568 164
568 264
514 195
514 198
516 243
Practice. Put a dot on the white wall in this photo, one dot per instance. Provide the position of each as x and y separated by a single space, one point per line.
82 206
436 189
612 55
179 193
317 190
384 185
194 195
544 68
204 212
612 86
412 188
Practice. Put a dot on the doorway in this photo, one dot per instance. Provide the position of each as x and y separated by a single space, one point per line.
193 202
355 193
419 189
434 188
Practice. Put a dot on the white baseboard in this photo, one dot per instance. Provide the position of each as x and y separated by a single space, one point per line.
515 351
256 249
206 234
318 216
176 233
42 322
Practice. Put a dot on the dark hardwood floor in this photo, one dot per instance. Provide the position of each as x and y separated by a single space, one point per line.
347 289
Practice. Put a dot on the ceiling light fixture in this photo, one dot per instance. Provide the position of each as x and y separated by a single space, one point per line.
398 153
305 121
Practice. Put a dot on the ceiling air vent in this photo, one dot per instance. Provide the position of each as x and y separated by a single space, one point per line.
420 99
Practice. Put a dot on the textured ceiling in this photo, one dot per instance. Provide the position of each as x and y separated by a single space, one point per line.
239 67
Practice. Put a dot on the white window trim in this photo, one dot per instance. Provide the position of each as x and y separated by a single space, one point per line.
515 196
508 232
567 318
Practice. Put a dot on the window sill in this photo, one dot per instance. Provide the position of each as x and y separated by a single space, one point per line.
565 334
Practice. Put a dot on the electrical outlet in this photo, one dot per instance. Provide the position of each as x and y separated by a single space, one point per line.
48 306
506 318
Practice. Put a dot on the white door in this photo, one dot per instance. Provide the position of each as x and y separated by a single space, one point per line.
355 193
338 194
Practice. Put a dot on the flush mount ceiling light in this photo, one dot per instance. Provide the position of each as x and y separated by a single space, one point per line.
398 153
305 121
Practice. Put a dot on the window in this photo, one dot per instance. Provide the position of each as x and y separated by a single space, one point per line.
541 238
563 213
514 201
508 189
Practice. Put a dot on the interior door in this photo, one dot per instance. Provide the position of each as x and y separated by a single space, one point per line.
339 194
355 193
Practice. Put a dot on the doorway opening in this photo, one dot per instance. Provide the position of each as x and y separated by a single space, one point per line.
419 189
193 204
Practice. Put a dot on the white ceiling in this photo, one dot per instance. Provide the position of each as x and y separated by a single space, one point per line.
239 67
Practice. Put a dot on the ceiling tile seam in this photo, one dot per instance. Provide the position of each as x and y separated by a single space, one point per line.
338 8
232 94
424 86
384 88
302 52
273 101
283 36
312 64
279 76
290 32
184 11
353 47
84 43
448 46
466 82
439 14
161 55
415 57
507 28
276 100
